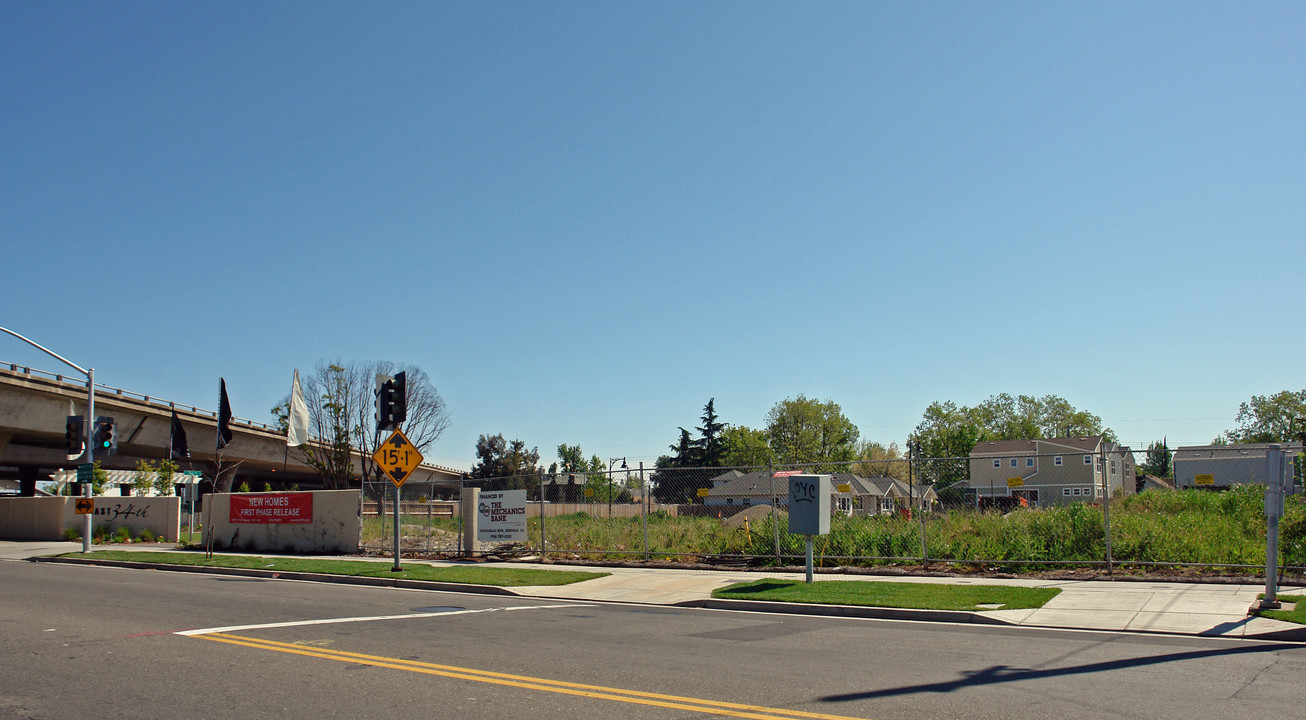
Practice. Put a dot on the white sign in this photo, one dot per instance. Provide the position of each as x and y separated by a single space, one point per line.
501 517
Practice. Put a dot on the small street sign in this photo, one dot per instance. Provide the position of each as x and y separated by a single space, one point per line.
85 473
84 506
398 457
1015 482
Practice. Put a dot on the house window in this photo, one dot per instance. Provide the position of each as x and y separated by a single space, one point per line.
1088 459
1014 462
730 501
1029 462
1065 491
1075 492
1057 461
997 463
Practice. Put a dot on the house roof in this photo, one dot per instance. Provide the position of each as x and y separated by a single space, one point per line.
1016 447
757 482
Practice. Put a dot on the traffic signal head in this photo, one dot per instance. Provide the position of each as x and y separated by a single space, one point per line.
106 436
74 437
399 398
391 401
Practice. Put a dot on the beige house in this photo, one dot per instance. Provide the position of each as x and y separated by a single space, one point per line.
1051 471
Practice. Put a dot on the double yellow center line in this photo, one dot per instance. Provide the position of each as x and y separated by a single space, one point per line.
597 692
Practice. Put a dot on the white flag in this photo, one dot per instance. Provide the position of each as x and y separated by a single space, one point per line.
298 434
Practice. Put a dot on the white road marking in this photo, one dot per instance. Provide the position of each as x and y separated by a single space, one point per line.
372 618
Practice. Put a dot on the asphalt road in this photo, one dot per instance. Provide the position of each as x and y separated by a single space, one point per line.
94 642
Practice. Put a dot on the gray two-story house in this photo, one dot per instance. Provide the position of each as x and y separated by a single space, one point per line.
1051 471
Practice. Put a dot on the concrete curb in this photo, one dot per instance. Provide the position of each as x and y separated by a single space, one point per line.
849 611
285 575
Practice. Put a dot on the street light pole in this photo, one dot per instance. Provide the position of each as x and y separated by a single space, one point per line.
87 491
611 490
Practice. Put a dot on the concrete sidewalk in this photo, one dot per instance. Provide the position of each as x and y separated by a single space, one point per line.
1217 610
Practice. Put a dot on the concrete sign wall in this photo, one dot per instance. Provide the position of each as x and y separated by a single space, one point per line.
45 518
326 521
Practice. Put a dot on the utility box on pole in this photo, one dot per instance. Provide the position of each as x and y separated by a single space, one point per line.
809 509
809 504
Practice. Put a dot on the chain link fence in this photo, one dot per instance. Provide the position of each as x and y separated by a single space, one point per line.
1004 509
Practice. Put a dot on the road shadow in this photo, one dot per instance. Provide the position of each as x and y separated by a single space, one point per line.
759 588
998 674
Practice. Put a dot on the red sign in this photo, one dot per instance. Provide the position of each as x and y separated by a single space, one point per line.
272 508
787 473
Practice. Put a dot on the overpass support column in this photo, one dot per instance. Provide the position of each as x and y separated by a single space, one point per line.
28 475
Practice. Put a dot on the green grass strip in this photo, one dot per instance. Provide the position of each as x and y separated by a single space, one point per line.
921 596
467 574
1296 615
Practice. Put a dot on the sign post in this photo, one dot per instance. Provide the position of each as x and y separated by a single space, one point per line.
1274 491
398 457
192 489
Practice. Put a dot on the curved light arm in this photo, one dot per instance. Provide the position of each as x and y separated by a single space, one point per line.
49 352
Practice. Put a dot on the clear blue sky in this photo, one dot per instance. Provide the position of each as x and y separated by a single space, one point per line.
583 220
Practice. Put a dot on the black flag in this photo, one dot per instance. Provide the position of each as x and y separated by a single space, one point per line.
224 415
177 447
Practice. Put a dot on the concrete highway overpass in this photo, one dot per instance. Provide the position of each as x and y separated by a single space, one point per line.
34 406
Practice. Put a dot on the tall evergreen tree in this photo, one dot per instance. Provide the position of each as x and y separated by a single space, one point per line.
711 449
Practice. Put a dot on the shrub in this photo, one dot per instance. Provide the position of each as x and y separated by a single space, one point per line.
72 533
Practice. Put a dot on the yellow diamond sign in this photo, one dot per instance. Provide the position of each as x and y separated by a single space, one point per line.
398 457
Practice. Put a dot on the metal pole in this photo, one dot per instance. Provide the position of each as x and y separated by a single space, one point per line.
809 559
90 454
90 420
544 548
644 509
396 568
1273 508
775 515
1106 504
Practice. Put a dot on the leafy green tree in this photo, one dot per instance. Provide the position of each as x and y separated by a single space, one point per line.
745 447
570 460
165 477
507 465
948 431
809 432
143 477
1157 463
1280 417
99 478
876 460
